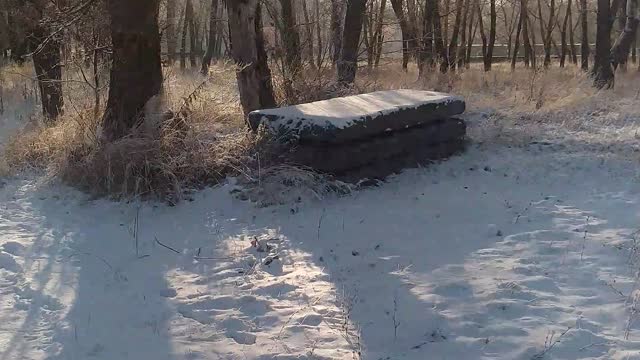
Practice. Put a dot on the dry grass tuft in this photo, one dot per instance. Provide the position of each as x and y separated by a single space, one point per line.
159 158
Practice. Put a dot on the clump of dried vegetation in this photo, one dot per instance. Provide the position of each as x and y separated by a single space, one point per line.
206 141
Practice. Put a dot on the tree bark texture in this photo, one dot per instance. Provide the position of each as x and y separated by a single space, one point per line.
136 72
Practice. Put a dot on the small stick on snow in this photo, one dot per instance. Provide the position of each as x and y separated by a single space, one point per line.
396 322
594 344
549 343
212 258
320 223
165 246
584 238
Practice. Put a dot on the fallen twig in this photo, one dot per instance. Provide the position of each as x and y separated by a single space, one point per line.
166 247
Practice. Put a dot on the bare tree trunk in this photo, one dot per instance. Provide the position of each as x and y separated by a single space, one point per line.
211 43
528 36
488 59
563 34
171 31
584 45
136 71
634 58
548 38
546 31
320 52
453 45
622 46
427 58
572 44
472 32
440 46
183 45
223 38
516 45
193 37
461 58
379 35
291 39
348 63
407 37
48 68
447 10
413 20
336 28
368 36
483 35
309 31
247 48
602 70
621 15
507 27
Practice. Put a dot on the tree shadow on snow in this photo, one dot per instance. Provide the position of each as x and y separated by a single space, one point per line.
85 292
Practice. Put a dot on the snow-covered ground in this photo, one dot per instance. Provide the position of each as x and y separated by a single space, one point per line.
505 252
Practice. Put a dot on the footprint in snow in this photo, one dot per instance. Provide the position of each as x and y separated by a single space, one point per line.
242 337
9 263
13 248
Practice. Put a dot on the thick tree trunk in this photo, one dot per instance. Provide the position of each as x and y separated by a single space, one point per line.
213 37
253 74
291 39
48 68
488 59
136 72
622 46
602 69
584 44
348 63
170 31
336 29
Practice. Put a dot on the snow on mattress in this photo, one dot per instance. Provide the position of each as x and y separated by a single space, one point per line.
375 111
